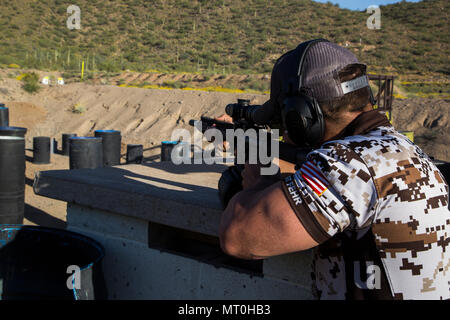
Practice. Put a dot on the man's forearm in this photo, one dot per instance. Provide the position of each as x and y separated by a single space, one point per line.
232 239
262 183
236 217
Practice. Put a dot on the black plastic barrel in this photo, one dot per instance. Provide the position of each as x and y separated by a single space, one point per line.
166 150
39 263
135 153
12 179
111 146
65 142
4 115
41 150
85 153
13 131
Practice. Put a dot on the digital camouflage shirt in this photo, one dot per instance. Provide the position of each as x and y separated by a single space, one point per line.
378 207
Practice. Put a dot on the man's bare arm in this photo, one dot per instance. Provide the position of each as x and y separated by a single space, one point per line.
259 222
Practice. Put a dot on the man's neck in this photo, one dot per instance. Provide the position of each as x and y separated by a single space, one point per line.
334 127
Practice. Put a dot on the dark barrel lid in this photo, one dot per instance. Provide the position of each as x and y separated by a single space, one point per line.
107 131
85 138
13 131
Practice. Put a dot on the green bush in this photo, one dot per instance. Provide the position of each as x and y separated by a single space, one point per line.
31 82
174 84
78 108
208 35
257 85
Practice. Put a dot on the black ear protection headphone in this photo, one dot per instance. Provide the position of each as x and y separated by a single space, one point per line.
301 114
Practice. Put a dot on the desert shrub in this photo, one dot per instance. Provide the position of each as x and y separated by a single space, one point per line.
109 66
224 30
266 67
69 74
31 82
78 108
174 84
256 85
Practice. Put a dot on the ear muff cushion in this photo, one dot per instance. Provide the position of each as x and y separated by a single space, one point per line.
303 120
293 121
318 128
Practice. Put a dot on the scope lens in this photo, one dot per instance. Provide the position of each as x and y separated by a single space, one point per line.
229 109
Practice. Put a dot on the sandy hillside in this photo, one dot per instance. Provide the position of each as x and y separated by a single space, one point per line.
429 119
148 116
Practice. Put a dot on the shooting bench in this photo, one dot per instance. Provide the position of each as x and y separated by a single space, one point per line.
159 226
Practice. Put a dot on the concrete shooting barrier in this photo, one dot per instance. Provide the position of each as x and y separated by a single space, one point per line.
159 226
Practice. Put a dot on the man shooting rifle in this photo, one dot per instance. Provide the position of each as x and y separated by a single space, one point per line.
366 197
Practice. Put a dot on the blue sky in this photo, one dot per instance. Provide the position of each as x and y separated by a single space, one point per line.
361 4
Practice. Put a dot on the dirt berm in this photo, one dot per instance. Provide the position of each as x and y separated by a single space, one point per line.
148 116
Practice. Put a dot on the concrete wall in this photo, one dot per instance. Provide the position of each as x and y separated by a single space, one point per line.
134 271
159 225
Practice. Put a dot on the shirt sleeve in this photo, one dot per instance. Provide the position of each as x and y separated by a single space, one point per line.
331 192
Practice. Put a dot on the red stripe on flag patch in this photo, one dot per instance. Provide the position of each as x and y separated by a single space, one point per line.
312 185
312 168
314 178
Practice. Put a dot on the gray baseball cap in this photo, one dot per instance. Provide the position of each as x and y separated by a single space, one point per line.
320 73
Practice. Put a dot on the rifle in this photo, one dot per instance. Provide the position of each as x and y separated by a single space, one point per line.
244 117
287 152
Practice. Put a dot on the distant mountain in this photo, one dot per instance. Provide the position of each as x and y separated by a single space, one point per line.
221 36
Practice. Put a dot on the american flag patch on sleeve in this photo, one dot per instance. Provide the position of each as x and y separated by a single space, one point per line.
314 178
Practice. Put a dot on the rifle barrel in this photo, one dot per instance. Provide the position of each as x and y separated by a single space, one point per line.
287 152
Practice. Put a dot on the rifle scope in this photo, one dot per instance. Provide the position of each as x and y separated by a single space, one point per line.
242 111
